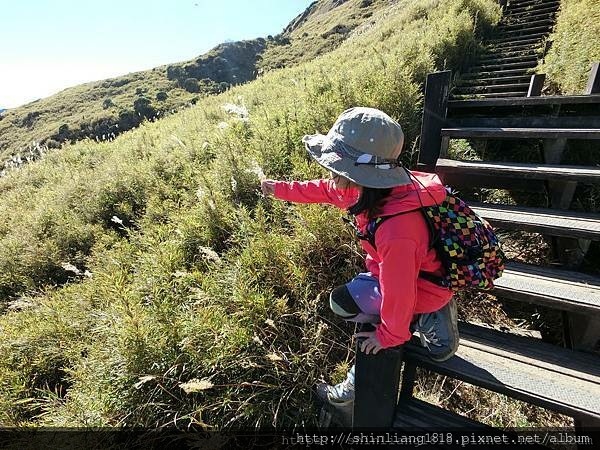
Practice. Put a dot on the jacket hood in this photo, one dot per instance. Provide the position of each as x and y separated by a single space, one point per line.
426 189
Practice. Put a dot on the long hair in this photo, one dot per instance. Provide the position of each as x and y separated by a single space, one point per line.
371 200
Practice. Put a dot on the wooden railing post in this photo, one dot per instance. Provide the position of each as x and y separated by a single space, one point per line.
536 84
593 84
376 385
437 89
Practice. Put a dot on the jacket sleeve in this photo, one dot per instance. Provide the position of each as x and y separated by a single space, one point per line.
316 191
398 272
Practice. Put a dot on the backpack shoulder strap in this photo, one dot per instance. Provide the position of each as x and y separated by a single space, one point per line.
376 222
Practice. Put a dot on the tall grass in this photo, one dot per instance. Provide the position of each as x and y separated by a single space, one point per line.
147 282
574 46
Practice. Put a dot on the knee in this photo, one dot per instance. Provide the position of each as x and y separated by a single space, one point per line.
342 303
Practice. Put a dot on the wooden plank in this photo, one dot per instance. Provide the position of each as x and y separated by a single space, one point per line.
493 88
546 21
536 84
523 368
456 178
517 121
529 101
593 84
552 222
375 402
519 170
515 94
517 65
437 87
517 39
417 414
558 289
496 73
494 80
522 133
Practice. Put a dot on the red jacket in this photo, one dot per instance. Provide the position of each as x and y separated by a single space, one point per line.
402 248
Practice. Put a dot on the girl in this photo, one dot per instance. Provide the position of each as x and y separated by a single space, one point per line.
396 293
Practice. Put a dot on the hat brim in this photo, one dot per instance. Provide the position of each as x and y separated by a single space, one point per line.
326 152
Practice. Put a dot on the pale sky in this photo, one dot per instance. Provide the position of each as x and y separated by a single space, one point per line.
49 45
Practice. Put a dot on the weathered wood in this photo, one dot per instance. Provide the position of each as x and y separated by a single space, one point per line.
461 180
409 373
493 81
377 381
584 332
511 65
593 84
495 120
536 84
558 289
533 37
417 414
552 222
522 133
524 368
528 101
495 73
532 23
518 170
490 88
516 94
434 115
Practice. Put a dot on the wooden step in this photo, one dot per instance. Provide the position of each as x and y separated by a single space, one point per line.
526 53
528 101
558 289
505 66
584 174
552 222
489 88
504 41
501 59
523 368
493 95
417 414
526 14
527 44
532 8
515 19
497 81
497 73
545 23
514 34
523 3
518 176
522 133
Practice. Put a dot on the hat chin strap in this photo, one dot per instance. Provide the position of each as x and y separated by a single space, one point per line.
379 163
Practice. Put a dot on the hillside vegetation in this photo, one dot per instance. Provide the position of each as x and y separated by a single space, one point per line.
575 46
103 109
145 281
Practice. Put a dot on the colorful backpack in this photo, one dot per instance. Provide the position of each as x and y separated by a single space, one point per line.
465 243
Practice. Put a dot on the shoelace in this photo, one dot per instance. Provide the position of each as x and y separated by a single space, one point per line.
341 391
428 337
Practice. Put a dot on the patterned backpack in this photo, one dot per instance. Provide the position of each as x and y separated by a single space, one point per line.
465 243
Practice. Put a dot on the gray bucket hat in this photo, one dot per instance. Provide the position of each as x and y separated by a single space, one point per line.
363 145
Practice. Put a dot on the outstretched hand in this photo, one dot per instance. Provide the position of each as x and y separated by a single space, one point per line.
370 343
267 187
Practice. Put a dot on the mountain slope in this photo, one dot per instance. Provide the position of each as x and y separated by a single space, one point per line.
103 109
146 282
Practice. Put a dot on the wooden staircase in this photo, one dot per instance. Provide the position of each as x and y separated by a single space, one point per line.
562 379
504 69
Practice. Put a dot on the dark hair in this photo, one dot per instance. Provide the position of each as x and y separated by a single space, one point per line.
371 201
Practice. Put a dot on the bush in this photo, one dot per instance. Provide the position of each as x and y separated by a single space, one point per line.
191 85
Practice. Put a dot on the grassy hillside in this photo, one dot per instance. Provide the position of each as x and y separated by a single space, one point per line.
574 46
145 281
103 109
